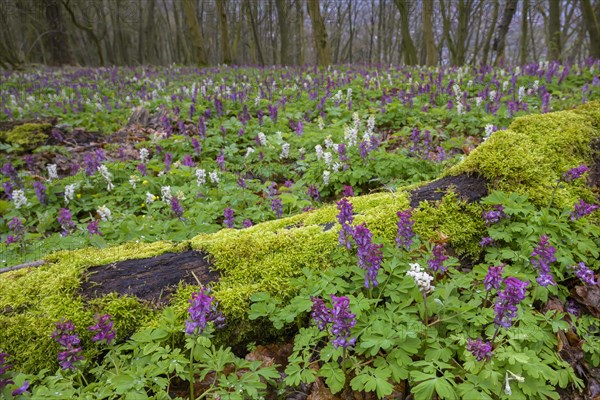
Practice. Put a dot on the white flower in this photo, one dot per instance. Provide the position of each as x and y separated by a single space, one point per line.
149 198
213 176
336 166
257 99
249 151
285 150
165 192
133 180
338 96
200 177
356 118
469 84
504 86
349 94
421 278
321 123
107 177
456 89
459 108
69 192
328 157
319 151
262 139
536 85
328 142
492 95
326 175
301 151
52 173
478 101
350 135
19 198
371 123
489 129
144 155
104 213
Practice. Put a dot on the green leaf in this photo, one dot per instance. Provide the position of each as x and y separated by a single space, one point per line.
373 380
334 377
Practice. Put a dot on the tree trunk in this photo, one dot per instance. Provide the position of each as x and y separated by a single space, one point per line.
56 39
524 16
87 29
225 50
591 20
554 35
408 47
322 48
282 20
254 28
195 33
500 41
488 39
428 38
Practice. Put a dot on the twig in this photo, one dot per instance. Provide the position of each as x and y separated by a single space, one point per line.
21 266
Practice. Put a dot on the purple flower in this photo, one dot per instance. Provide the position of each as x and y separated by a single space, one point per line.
575 173
345 218
21 389
142 169
342 322
369 254
436 263
313 192
277 206
582 209
342 152
90 164
347 191
188 161
103 328
508 300
247 223
197 146
405 229
93 228
241 182
221 160
68 340
65 219
585 274
364 149
17 226
228 214
320 313
541 258
493 279
8 189
494 215
10 171
168 161
486 241
4 366
40 192
479 349
176 207
202 311
288 183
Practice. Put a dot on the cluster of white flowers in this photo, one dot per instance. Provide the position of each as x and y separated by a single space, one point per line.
469 84
257 99
371 123
504 86
422 278
458 98
456 90
19 198
150 198
350 135
478 101
517 70
321 123
349 95
328 142
70 192
133 180
144 153
326 175
492 95
104 212
319 151
52 173
521 94
489 129
339 96
107 177
214 177
262 138
200 177
328 157
279 135
165 192
249 151
285 150
301 151
336 167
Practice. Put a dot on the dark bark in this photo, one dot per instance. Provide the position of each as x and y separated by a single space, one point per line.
554 34
322 48
591 19
408 48
282 20
56 38
500 41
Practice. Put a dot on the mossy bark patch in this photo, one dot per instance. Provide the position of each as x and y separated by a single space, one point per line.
469 187
151 279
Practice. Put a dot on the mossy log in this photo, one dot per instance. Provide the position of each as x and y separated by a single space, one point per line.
527 158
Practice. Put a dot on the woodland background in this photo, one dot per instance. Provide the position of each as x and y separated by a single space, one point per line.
296 32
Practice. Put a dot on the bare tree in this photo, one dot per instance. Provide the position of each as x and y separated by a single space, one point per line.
195 33
507 16
554 34
428 37
591 18
282 20
322 47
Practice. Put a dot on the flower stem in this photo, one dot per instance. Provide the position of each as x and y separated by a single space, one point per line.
192 394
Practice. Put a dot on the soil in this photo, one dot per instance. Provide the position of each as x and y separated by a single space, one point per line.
151 279
470 188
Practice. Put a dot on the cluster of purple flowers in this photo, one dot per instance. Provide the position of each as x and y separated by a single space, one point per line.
68 340
91 163
247 223
340 318
93 228
228 217
202 310
168 161
313 192
345 218
486 241
493 279
508 300
479 349
277 206
585 274
541 258
405 229
494 215
103 328
575 173
176 207
347 191
187 161
369 254
142 169
65 219
436 262
582 209
40 192
4 367
18 228
221 160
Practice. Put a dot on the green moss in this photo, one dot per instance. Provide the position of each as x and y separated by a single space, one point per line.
534 152
28 136
454 219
